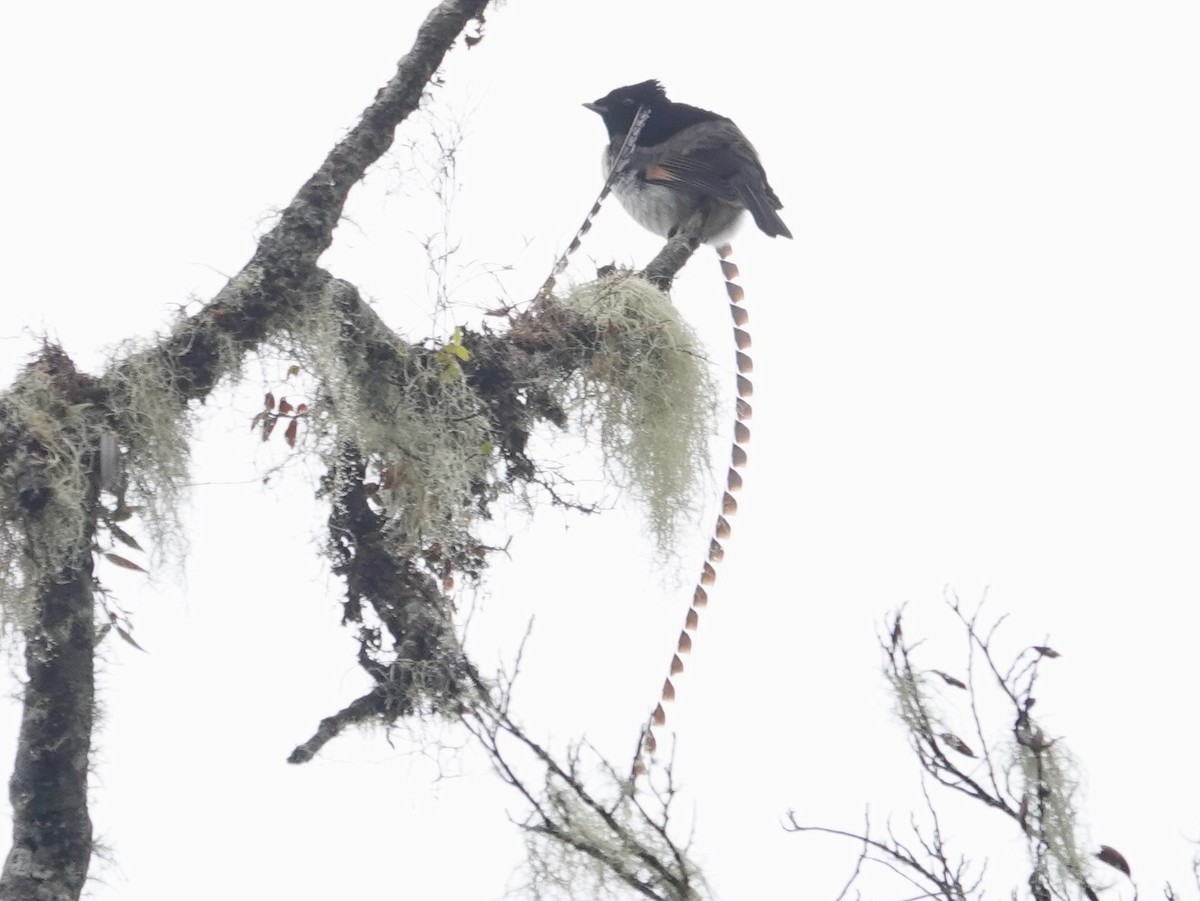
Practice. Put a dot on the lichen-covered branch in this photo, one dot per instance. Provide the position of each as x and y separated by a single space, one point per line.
587 835
51 433
52 831
281 273
418 443
1016 770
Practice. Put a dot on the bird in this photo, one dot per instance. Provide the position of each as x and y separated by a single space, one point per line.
686 161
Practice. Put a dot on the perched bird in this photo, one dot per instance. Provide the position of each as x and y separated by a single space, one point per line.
686 160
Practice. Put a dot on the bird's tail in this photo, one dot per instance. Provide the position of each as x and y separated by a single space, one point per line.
762 206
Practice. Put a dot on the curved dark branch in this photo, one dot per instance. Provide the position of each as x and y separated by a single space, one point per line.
283 268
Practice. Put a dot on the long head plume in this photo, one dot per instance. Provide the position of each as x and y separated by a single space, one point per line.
622 157
648 743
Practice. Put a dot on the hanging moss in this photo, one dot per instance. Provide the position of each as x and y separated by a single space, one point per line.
645 392
50 440
409 414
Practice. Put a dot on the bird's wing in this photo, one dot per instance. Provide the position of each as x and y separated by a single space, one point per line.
711 158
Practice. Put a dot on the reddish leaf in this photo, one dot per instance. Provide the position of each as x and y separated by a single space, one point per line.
284 406
290 435
258 417
668 692
950 680
302 409
1114 858
123 513
122 562
124 537
268 425
269 401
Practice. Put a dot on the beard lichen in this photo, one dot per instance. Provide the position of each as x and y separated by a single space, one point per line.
587 843
415 420
1047 776
645 392
45 488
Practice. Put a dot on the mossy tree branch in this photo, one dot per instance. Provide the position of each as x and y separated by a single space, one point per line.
57 427
52 831
52 834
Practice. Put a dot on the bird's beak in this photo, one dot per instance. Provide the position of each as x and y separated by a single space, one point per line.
595 107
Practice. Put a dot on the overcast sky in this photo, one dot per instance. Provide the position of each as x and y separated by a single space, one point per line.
975 366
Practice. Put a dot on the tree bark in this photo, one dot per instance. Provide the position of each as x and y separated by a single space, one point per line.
52 832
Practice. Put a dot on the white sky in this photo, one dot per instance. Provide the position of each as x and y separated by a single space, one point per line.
975 366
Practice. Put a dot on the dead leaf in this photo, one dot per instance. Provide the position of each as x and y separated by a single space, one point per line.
122 562
957 744
129 638
124 537
1115 859
950 680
